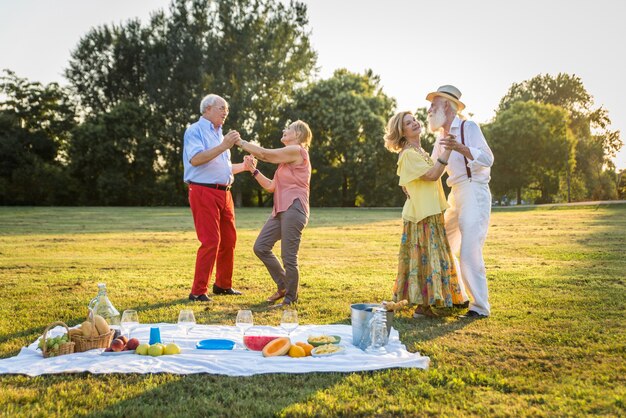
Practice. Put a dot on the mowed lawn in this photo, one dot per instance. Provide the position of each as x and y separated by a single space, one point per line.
555 344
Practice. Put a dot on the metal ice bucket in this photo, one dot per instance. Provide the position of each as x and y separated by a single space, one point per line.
361 316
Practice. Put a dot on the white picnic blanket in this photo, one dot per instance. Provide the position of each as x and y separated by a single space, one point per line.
236 362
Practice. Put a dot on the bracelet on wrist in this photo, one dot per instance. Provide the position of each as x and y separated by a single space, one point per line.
255 172
442 162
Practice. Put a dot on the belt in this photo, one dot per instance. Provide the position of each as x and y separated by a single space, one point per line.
212 186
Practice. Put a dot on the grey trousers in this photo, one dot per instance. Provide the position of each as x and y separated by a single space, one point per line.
287 227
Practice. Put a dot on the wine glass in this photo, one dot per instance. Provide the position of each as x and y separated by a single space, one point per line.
289 321
186 320
130 320
244 320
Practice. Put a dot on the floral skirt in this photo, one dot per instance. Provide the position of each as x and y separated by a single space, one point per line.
426 271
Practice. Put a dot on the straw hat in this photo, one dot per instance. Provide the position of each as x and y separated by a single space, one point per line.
450 93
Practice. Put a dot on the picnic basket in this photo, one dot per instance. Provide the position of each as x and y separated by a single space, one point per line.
65 348
89 343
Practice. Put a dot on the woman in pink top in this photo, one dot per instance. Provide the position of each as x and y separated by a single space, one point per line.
290 215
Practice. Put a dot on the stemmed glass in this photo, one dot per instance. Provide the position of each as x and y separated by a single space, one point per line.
289 321
186 320
130 320
244 320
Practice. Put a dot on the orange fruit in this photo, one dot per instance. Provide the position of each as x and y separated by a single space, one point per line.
296 351
307 347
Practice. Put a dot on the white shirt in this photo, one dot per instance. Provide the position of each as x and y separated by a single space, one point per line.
480 166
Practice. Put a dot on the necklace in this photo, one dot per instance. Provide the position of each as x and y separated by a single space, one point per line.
420 151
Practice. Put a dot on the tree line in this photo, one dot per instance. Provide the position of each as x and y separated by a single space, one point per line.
113 135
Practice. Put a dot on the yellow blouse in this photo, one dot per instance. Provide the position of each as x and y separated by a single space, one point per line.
426 197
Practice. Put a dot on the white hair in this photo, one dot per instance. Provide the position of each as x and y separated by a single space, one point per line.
453 105
209 100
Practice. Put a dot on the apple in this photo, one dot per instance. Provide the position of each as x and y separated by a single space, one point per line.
123 338
155 350
132 344
117 345
171 348
142 349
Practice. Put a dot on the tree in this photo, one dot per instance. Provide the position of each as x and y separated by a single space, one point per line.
621 184
347 114
252 52
112 158
596 143
534 147
35 124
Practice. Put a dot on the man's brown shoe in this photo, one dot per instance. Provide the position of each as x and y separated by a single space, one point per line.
278 295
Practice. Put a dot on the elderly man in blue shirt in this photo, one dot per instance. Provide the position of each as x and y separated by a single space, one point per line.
209 173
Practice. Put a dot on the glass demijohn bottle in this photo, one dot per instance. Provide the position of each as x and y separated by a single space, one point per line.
378 332
101 305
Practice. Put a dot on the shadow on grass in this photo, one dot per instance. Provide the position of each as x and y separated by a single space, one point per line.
221 396
94 220
91 220
425 329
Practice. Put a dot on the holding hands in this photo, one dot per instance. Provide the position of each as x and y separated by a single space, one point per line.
232 138
449 143
249 163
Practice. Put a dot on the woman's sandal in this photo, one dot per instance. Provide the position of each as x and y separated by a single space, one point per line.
278 295
421 312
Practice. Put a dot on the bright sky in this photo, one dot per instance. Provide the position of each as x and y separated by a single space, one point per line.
480 46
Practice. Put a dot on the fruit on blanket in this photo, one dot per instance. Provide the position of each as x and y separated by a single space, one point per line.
171 348
142 349
132 344
101 325
117 345
156 350
307 347
296 351
88 329
257 342
278 347
123 338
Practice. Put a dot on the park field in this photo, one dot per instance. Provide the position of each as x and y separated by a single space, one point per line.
555 344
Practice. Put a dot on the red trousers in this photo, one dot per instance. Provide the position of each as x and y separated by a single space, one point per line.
214 218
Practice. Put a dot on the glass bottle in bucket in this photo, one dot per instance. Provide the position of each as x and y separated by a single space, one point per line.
378 332
101 305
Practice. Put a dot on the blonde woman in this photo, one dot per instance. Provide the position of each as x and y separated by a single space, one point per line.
426 272
290 186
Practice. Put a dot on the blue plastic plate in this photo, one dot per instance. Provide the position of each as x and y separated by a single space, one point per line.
215 344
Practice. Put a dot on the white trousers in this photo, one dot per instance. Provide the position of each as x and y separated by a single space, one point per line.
467 222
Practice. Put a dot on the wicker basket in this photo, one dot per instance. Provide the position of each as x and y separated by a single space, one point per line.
89 343
65 348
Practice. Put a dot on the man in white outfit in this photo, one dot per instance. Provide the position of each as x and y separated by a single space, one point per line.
469 169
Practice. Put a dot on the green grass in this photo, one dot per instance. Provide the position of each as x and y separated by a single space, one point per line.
554 346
